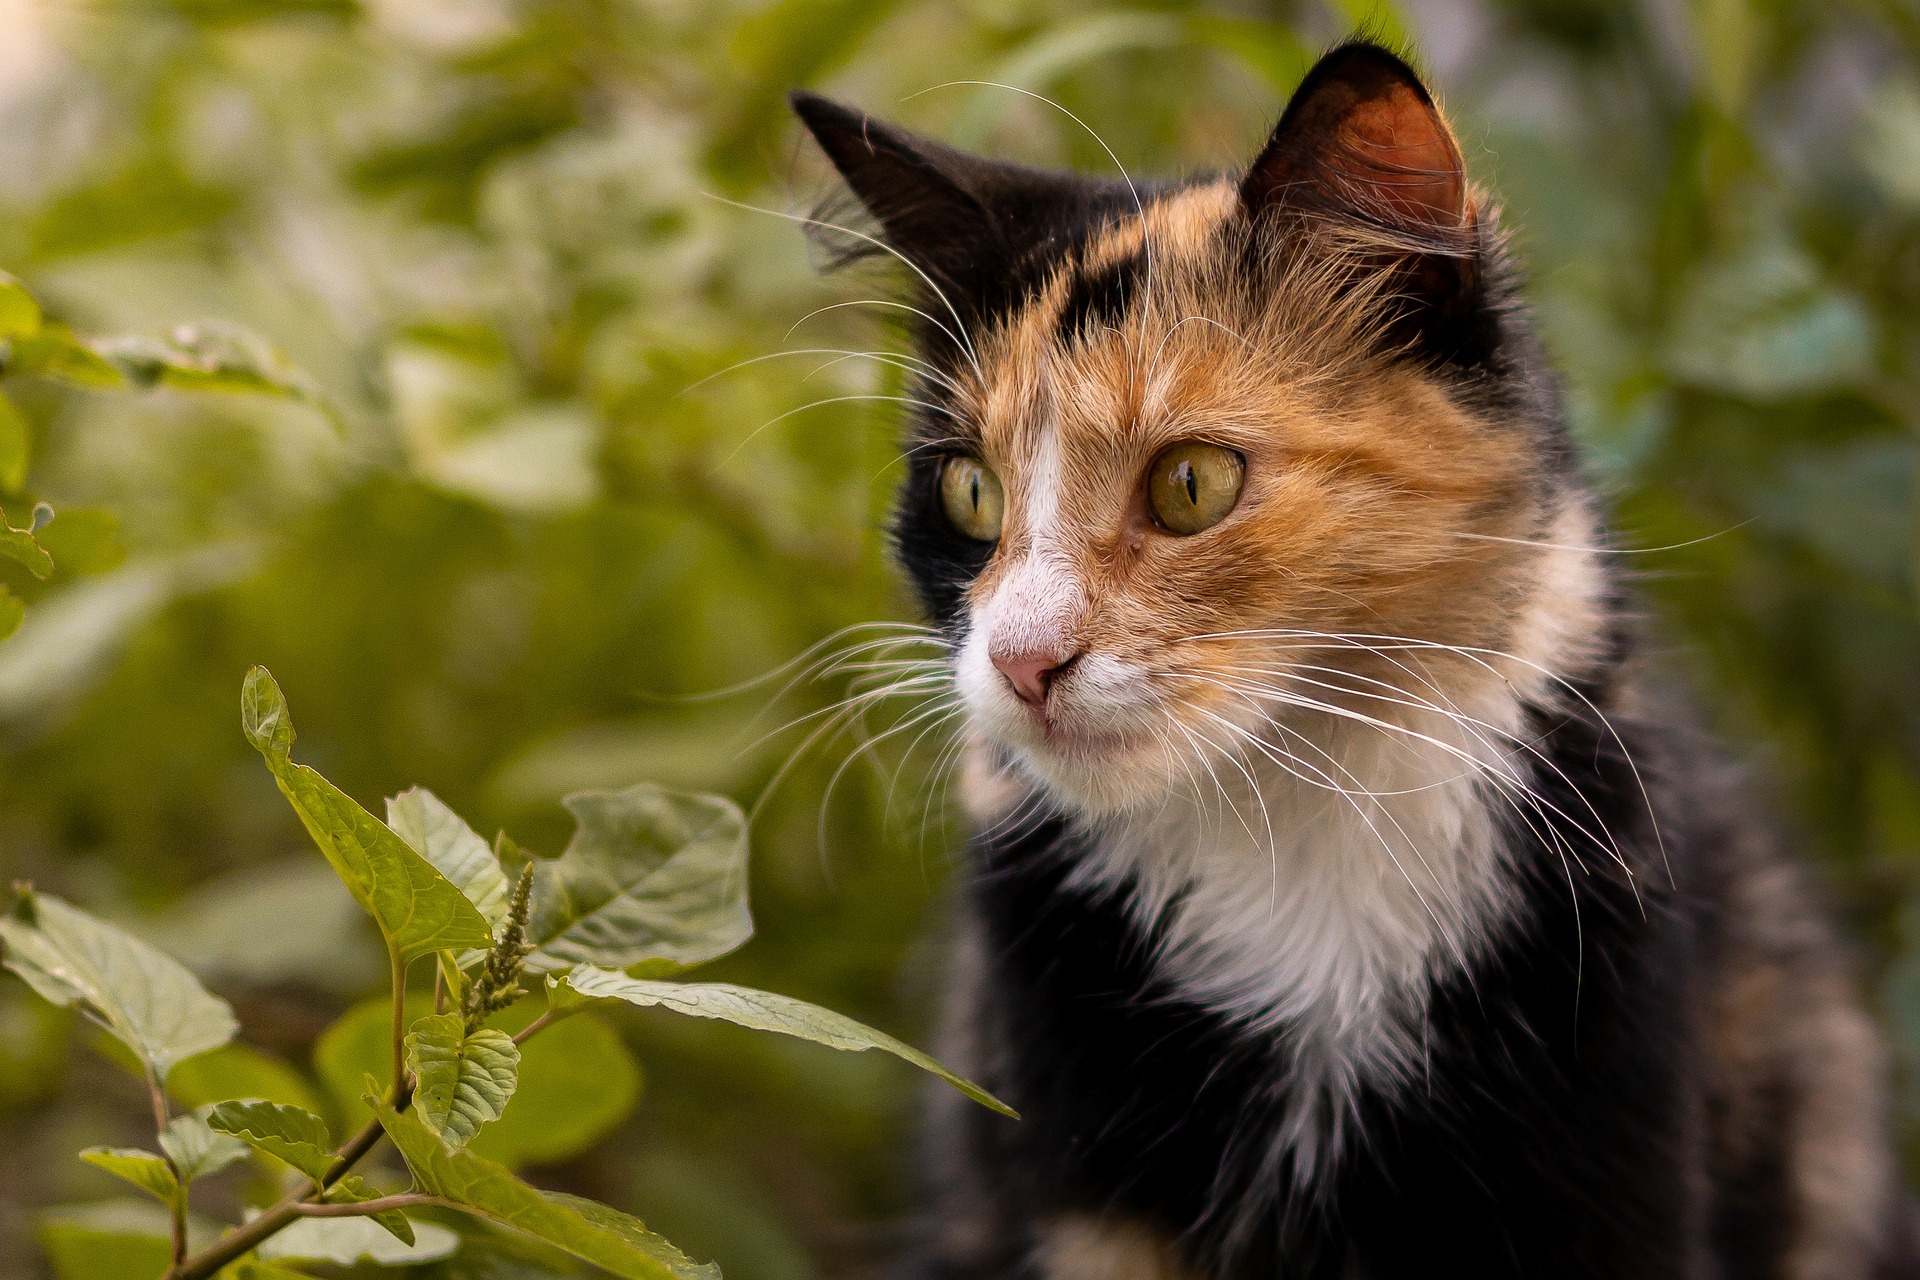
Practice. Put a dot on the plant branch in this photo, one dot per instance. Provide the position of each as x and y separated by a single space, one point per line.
363 1208
246 1237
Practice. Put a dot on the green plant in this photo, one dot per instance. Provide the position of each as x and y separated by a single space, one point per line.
652 884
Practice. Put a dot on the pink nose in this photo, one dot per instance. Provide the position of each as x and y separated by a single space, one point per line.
1032 672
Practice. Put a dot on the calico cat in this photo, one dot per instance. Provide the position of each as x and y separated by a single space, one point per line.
1344 901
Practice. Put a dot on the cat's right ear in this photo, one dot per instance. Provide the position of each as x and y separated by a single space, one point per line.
957 217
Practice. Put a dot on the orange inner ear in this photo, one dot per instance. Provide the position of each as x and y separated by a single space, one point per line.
1394 158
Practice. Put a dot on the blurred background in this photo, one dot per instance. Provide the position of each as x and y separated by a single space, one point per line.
499 238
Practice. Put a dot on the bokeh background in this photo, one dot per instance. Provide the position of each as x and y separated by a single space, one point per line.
498 237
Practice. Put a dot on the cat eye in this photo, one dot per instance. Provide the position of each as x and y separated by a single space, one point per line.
973 498
1192 486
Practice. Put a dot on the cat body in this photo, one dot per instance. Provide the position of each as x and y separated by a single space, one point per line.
1341 902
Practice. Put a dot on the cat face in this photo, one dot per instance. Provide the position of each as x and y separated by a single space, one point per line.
1198 464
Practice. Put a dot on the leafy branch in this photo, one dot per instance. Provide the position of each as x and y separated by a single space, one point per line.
652 883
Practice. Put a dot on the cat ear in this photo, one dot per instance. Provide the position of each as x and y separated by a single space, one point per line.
1362 140
955 216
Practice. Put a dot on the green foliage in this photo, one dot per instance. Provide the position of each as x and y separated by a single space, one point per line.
462 1079
595 1233
454 1075
764 1011
651 880
292 1134
147 1000
417 910
485 232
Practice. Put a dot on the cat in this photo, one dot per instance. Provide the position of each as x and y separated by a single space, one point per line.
1345 899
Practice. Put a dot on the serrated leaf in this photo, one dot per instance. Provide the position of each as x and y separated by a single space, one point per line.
353 1189
651 877
767 1011
293 1134
463 1180
346 1241
417 909
196 1149
19 312
21 546
16 444
143 997
143 1169
464 1081
578 1080
443 838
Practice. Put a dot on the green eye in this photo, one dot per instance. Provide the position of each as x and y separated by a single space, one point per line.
973 498
1192 486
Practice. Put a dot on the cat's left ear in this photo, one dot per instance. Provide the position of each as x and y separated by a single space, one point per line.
1362 141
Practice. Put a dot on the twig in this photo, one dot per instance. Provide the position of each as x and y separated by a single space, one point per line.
158 1097
363 1208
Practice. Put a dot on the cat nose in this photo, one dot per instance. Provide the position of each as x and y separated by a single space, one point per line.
1032 672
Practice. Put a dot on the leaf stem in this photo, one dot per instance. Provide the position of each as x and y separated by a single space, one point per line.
399 1019
540 1023
158 1097
363 1208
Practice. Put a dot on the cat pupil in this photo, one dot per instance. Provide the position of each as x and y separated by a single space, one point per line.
1193 483
974 492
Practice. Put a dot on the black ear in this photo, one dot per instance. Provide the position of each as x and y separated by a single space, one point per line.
963 220
1363 141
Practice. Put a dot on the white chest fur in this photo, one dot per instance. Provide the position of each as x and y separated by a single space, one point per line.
1315 900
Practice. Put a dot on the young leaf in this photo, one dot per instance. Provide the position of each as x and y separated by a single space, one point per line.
294 1134
463 1180
12 610
145 998
19 312
56 352
142 1168
578 1080
465 1080
765 1011
353 1189
22 547
439 835
346 1241
417 909
196 358
651 877
196 1149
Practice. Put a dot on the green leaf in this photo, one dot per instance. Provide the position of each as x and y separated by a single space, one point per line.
21 546
439 835
766 1011
143 1169
56 352
578 1080
651 877
465 1080
16 445
207 358
417 909
353 1189
239 1071
346 1241
463 1180
145 998
196 1149
293 1134
19 312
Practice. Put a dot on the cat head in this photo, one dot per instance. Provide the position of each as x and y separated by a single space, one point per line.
1202 458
